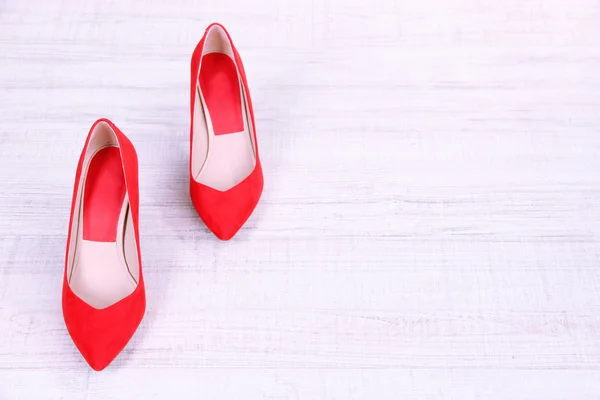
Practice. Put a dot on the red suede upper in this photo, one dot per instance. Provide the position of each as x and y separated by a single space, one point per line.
224 213
100 335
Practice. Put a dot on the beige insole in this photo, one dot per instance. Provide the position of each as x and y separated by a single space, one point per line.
101 276
105 272
220 161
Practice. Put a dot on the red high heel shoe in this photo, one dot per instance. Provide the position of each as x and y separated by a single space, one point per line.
103 288
226 178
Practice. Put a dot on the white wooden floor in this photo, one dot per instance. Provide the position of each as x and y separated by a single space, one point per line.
430 225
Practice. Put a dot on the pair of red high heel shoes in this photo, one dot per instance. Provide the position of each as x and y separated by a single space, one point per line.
103 290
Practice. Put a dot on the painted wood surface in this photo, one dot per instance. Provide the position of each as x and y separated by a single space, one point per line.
430 226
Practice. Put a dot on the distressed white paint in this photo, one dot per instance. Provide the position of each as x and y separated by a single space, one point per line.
430 226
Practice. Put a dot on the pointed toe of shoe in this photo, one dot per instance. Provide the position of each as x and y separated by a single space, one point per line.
102 351
101 334
98 362
224 213
225 228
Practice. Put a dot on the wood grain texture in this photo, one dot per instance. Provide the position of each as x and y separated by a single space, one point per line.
430 221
